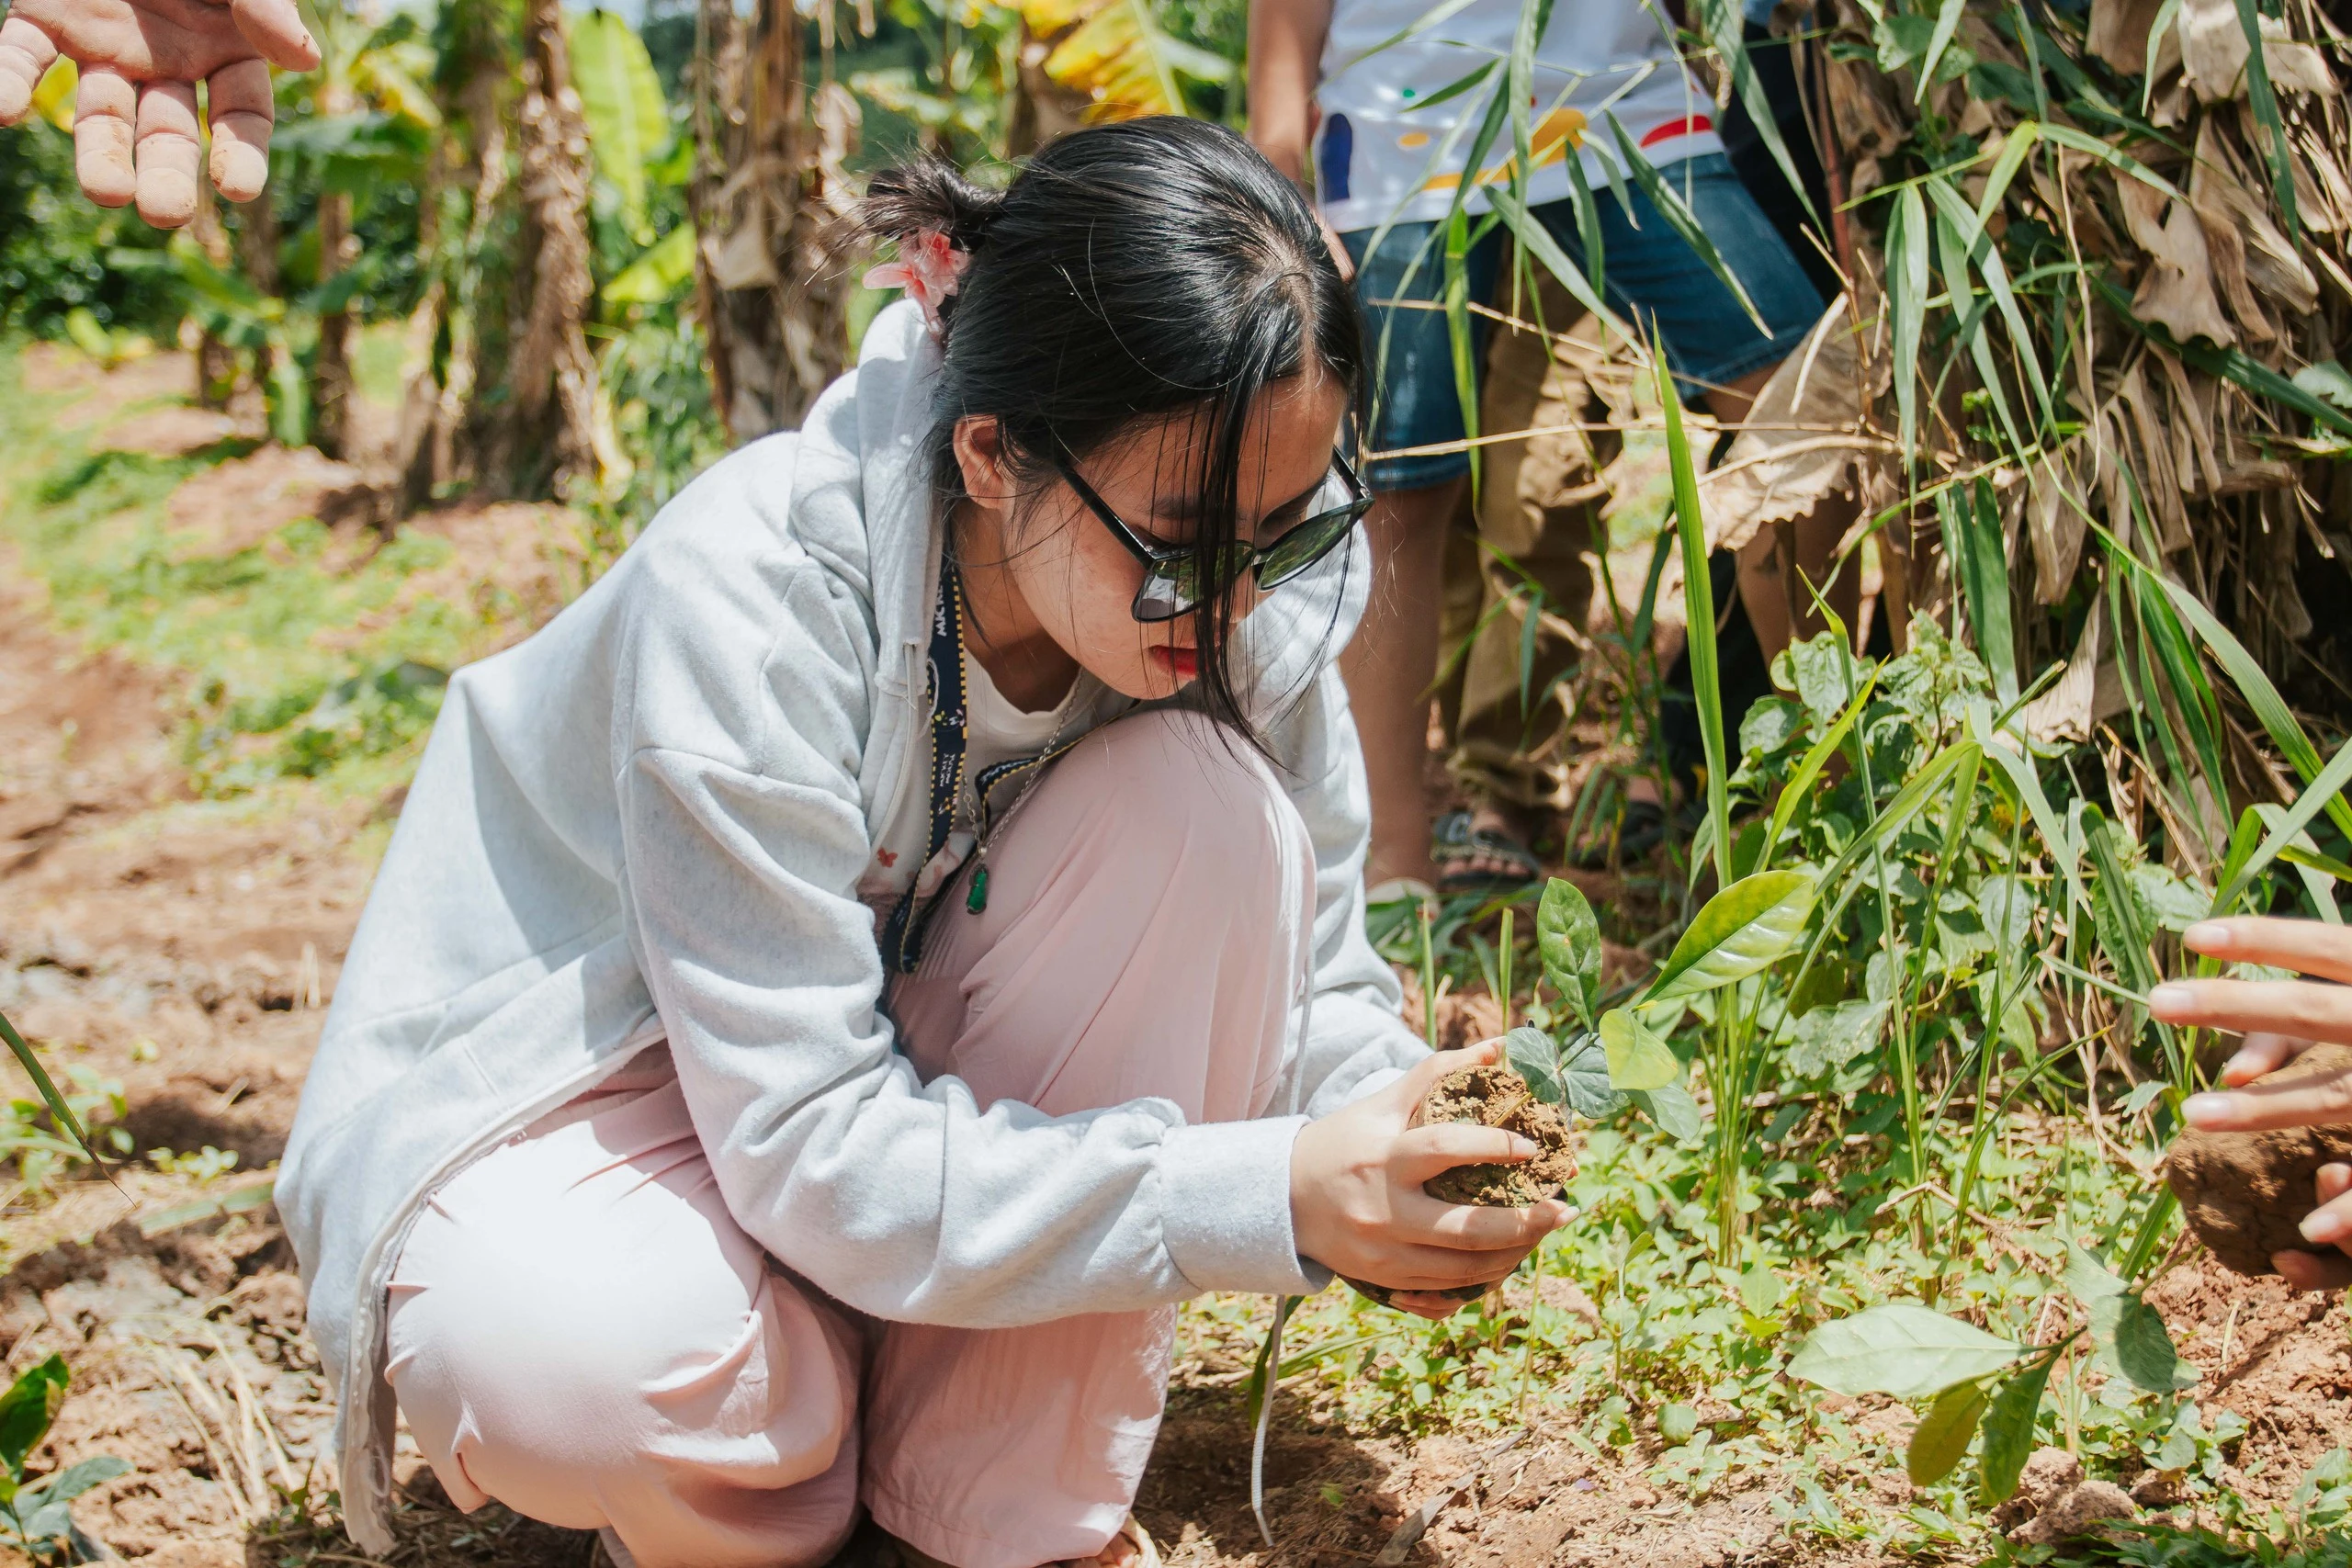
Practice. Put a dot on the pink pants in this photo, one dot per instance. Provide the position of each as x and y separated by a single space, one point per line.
579 1330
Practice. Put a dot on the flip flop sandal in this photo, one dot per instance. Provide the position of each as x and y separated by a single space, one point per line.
1454 842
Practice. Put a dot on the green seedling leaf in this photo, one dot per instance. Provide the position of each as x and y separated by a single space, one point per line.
1533 1056
1637 1057
2090 1280
2009 1433
2144 1350
1745 928
1899 1349
1760 1290
28 1408
74 1480
1568 938
1828 1038
1940 1440
1676 1113
1584 1074
1677 1423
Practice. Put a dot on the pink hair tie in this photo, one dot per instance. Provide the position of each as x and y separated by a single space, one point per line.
928 267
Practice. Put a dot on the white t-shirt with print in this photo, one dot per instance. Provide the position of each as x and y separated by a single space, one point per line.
1376 155
994 732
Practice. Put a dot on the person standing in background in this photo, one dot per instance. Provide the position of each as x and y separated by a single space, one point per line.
1334 103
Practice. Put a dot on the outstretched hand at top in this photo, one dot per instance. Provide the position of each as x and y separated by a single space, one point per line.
135 130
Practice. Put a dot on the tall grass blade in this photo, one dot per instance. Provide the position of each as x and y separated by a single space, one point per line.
1679 218
1907 265
1799 788
1698 604
1974 540
2264 99
2326 790
46 1087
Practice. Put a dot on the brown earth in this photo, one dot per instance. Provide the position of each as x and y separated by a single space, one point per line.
185 949
1497 1097
2245 1194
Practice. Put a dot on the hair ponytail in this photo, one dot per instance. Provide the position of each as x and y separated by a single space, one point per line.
1139 269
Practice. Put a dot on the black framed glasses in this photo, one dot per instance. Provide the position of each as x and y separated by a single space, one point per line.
1175 577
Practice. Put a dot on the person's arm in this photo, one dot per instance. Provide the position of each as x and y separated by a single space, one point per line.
1285 55
2280 1020
135 130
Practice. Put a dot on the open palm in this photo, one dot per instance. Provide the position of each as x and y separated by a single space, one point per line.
135 128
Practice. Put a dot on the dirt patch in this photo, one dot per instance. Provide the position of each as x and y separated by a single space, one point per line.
1497 1097
2246 1193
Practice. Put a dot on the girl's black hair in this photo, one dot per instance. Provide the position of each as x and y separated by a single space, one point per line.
1145 267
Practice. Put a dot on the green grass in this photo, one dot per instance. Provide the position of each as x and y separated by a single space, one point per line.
306 654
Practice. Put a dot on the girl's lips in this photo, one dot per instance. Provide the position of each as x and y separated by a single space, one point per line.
1181 662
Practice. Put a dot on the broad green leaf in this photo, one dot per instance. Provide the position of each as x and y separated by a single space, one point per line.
74 1480
1829 1037
620 97
1533 1057
1760 1290
28 1408
1899 1349
1584 1074
1676 1113
1743 929
2142 1349
1568 938
2326 379
2090 1280
661 273
2009 1433
1677 1423
1940 1440
1638 1059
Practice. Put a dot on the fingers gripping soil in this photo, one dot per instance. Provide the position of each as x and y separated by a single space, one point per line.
2246 1193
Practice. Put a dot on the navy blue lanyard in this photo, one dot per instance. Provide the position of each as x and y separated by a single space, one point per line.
950 719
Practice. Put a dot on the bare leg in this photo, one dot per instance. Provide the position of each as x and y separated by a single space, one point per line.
1390 667
1773 588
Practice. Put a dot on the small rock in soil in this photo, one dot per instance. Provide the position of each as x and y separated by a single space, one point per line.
2246 1193
2075 1512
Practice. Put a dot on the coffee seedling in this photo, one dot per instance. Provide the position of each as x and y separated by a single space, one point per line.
35 1514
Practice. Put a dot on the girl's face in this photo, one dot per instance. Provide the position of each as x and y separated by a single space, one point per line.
1077 581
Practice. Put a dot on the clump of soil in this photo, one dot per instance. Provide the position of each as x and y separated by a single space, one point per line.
1493 1097
1497 1097
2246 1193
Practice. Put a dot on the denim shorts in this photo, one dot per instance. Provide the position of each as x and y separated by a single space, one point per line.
1648 274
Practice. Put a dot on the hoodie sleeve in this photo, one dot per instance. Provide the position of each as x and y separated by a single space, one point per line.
902 1199
1356 1042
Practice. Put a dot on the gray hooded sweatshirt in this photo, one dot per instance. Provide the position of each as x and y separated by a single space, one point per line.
649 821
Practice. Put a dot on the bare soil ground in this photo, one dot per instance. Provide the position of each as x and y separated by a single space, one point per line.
184 948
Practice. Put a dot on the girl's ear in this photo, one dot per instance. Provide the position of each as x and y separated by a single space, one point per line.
979 454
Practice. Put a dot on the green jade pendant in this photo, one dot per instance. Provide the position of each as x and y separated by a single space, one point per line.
978 898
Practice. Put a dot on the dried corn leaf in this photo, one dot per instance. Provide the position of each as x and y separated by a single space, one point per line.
2260 254
2214 53
2191 419
2119 32
2161 466
2322 190
2086 694
2054 521
1771 475
2176 291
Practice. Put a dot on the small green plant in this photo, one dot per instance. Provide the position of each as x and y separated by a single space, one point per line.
203 1167
36 1511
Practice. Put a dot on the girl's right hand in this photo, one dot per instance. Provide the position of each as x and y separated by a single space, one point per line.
1357 1206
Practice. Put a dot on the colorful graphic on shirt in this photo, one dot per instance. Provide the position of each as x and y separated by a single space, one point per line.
1558 134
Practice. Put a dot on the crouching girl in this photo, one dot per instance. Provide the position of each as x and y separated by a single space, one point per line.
836 988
